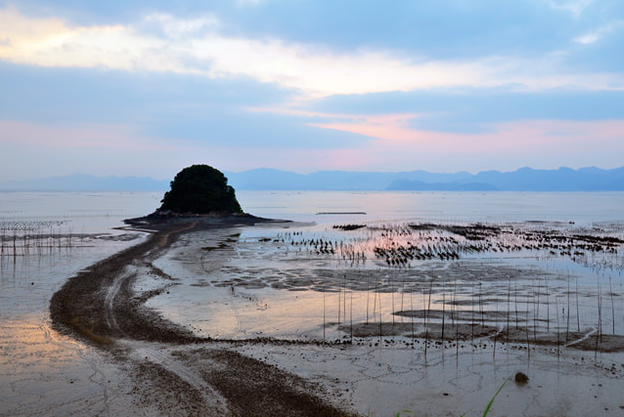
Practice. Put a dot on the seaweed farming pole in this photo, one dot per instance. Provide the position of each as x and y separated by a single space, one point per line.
516 302
612 305
481 305
578 319
568 318
412 315
528 320
402 297
380 317
344 298
339 301
443 309
456 325
472 323
547 306
367 299
324 325
427 317
599 302
392 295
526 331
536 309
454 304
508 305
424 307
557 310
351 317
375 302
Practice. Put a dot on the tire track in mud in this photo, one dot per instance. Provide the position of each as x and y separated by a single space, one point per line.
586 336
200 398
162 358
100 307
109 301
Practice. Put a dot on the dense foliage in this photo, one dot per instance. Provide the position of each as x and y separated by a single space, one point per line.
200 189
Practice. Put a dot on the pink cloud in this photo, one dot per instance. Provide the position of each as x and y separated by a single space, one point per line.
390 143
394 144
394 130
539 143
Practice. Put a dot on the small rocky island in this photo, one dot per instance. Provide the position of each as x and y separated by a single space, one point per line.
200 189
173 370
196 191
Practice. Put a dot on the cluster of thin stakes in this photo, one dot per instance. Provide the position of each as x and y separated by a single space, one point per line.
24 238
457 311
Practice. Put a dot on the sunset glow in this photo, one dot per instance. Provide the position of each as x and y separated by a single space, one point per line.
235 82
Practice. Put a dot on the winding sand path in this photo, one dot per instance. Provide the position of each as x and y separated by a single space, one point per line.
175 371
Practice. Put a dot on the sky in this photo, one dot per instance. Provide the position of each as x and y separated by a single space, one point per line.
146 88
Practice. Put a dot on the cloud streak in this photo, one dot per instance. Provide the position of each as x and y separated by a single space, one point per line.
164 43
539 143
510 136
596 35
362 86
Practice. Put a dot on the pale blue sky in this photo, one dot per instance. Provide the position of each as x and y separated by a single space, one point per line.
110 88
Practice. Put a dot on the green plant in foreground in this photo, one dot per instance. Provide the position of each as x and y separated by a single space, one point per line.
485 413
487 409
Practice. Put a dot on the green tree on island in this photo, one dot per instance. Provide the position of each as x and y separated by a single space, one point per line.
200 189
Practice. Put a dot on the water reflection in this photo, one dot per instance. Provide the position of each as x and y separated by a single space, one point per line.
334 284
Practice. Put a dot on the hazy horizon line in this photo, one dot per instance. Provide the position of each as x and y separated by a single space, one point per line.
229 171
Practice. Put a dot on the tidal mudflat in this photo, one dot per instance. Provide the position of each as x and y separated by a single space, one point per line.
347 316
45 238
425 317
43 372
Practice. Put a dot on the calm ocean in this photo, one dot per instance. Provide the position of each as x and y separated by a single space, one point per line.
97 212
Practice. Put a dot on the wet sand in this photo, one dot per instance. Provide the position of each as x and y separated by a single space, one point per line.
367 334
99 307
43 372
403 359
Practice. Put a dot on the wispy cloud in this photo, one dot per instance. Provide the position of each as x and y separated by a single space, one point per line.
539 143
594 36
575 7
196 46
113 87
520 136
396 137
178 28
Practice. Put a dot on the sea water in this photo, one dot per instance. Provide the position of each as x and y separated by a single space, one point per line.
101 211
390 206
273 287
42 372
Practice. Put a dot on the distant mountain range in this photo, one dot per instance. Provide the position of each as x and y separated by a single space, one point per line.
524 179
